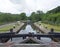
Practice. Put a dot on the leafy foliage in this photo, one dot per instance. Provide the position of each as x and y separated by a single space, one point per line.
51 17
7 17
36 16
55 10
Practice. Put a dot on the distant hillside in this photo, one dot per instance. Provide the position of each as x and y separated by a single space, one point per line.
52 16
55 10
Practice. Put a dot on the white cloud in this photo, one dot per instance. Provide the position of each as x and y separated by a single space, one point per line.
28 6
7 6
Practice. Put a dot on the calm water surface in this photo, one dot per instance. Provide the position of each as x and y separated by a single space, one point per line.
28 28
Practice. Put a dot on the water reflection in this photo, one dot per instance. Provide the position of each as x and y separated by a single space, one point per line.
27 30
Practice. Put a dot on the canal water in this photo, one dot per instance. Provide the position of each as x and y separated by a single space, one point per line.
30 29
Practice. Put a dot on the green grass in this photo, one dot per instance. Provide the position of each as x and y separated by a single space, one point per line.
55 27
1 23
6 28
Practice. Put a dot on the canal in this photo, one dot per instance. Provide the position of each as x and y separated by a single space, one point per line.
30 29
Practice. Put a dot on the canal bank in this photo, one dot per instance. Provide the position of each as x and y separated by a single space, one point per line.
16 42
28 28
16 30
46 31
41 28
25 30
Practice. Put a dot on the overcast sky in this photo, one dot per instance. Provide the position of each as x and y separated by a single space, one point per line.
28 6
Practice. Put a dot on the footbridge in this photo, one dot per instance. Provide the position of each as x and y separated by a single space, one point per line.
13 35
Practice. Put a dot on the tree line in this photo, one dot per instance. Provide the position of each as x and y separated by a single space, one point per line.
36 16
7 17
51 17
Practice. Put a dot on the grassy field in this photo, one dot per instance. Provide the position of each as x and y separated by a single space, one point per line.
6 28
1 23
55 27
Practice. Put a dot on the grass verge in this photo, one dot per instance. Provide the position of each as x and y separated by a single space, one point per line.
6 28
55 27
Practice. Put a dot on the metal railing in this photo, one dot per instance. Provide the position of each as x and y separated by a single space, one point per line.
9 35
